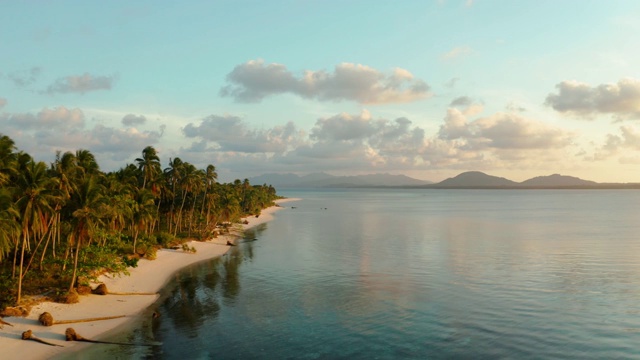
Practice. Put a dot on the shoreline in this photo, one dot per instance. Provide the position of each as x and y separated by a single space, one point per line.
150 276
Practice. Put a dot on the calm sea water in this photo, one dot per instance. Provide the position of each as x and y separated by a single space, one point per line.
386 274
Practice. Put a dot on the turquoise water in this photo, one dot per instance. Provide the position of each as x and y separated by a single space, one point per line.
386 274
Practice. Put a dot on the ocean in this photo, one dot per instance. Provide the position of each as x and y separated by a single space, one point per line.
415 274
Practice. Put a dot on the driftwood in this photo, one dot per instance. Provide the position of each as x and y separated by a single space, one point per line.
2 323
102 290
28 335
46 319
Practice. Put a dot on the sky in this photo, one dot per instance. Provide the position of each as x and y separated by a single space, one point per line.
428 88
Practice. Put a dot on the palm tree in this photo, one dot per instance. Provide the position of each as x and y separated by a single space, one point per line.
64 169
149 164
188 183
35 199
142 213
173 174
89 204
210 177
87 162
9 225
7 159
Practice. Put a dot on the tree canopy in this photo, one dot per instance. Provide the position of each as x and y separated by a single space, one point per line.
69 220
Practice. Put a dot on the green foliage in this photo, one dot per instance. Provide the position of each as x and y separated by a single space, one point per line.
72 220
151 253
130 261
8 294
100 258
165 239
187 248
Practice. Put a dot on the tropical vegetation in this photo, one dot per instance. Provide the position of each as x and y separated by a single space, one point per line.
68 221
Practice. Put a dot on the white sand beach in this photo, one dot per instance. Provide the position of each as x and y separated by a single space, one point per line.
149 276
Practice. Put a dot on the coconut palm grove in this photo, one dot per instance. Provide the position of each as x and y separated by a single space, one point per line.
64 223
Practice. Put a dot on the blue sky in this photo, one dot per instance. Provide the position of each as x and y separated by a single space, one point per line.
423 88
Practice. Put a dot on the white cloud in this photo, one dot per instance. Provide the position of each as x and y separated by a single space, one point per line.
60 118
618 144
229 133
253 81
622 100
502 131
63 129
80 84
343 127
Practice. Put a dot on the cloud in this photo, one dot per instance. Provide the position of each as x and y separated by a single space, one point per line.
617 144
62 129
515 107
60 118
25 78
3 102
363 143
229 133
467 105
502 131
457 53
80 84
462 101
452 83
343 127
254 80
622 100
121 141
133 120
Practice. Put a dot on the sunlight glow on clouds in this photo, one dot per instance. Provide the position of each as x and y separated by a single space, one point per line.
253 81
448 86
622 100
63 129
229 133
59 118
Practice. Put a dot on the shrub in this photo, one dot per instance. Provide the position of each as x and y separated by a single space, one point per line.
165 239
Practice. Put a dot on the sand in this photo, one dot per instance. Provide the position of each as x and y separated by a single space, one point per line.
149 276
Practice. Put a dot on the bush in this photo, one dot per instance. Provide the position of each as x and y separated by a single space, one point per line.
187 248
130 261
165 239
151 253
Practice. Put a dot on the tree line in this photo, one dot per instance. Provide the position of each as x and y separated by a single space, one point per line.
69 219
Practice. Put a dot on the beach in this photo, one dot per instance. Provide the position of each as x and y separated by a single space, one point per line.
148 277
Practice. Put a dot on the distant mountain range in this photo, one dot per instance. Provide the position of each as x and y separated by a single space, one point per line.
466 180
321 180
477 179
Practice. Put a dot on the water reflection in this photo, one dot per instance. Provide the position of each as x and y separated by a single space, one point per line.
520 276
197 295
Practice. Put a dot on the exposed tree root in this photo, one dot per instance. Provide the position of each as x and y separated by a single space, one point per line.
2 323
28 335
46 319
102 290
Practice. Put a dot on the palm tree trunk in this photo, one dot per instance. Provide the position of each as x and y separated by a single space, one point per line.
75 265
25 239
184 197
